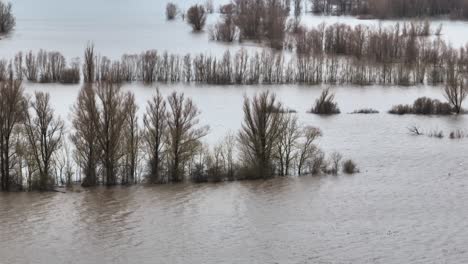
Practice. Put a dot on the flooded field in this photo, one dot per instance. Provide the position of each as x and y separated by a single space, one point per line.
407 204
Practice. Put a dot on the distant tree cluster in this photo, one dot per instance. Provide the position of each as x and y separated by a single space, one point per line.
43 67
7 20
392 8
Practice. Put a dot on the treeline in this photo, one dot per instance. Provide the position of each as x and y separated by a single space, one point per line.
43 67
7 20
392 8
334 54
111 146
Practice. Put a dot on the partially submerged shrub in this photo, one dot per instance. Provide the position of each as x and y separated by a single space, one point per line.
365 111
457 134
70 75
414 130
349 167
325 104
196 17
401 109
423 106
7 20
436 134
171 11
225 30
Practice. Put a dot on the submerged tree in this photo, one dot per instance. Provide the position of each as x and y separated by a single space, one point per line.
44 132
131 141
7 20
154 136
260 134
110 124
85 135
12 103
196 17
455 93
89 66
288 139
183 134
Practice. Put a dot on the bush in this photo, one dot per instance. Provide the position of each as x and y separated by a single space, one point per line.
196 17
349 167
436 134
7 20
457 134
423 106
325 104
365 111
171 11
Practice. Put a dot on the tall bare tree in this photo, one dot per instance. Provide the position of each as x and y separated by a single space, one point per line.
288 139
131 140
183 133
85 135
154 136
456 92
89 66
12 103
307 147
44 132
110 127
260 133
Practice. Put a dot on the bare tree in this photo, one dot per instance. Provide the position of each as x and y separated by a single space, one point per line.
131 141
7 20
289 136
154 136
455 93
44 132
196 17
84 137
183 133
110 126
89 66
260 133
12 103
307 147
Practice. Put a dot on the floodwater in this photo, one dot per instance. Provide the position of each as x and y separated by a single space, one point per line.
117 27
408 204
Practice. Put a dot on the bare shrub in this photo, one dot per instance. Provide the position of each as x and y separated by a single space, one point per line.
365 111
325 104
171 11
307 151
225 30
436 134
423 106
457 134
196 17
455 93
7 20
416 131
349 167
